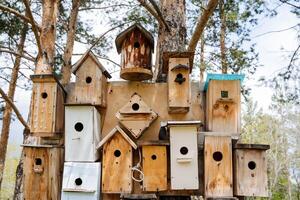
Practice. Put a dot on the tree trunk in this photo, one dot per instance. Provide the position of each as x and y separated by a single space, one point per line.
67 65
202 62
173 40
222 37
8 109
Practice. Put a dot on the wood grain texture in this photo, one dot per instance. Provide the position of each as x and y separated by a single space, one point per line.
154 168
218 174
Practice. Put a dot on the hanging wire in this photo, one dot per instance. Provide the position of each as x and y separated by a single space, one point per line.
137 168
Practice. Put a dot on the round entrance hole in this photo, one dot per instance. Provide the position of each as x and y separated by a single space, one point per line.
153 157
78 181
217 156
44 95
38 161
117 153
78 126
135 106
136 45
251 165
184 150
88 80
179 76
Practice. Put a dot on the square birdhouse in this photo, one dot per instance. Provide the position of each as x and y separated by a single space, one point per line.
47 109
42 172
250 170
154 166
184 154
91 78
218 166
117 161
179 88
82 129
81 181
223 102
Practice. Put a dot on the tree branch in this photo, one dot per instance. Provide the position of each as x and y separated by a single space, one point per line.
17 54
277 31
21 119
156 8
201 23
293 57
288 3
151 10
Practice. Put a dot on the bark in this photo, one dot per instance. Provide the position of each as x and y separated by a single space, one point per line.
67 66
202 63
223 37
8 108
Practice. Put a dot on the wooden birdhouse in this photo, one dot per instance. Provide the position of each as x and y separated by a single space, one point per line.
42 172
154 166
136 116
117 162
218 166
136 46
184 154
223 102
91 78
47 111
178 66
82 133
250 170
81 181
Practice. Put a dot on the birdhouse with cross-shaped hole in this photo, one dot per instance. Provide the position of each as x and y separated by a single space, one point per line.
223 102
218 179
117 158
178 67
82 133
47 109
91 78
136 45
250 170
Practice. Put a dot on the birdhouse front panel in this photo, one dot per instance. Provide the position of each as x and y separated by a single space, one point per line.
154 168
117 164
42 177
179 85
82 133
250 172
218 166
184 157
81 181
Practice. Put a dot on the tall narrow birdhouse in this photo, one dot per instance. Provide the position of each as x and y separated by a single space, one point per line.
81 181
218 166
42 172
47 111
117 162
250 170
91 81
223 102
82 133
136 46
178 66
154 166
184 154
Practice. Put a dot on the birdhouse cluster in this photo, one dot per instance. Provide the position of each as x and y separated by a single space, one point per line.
138 139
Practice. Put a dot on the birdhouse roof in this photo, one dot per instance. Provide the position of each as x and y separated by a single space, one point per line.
228 77
177 54
251 146
90 54
123 35
117 129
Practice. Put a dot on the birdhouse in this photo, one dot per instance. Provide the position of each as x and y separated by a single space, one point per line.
184 154
82 130
223 102
117 162
91 78
154 166
136 116
179 90
42 172
136 46
81 181
218 166
47 111
250 170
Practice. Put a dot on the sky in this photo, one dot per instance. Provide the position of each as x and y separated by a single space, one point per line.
270 55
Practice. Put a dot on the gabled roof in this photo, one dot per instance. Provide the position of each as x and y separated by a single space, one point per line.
122 36
117 129
90 54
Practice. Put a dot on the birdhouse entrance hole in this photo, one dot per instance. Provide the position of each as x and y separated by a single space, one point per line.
135 106
153 157
117 153
179 78
88 80
184 150
44 95
217 156
251 165
136 45
78 126
78 181
38 161
224 94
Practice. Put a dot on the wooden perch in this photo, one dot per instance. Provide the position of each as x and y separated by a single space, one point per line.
201 23
7 99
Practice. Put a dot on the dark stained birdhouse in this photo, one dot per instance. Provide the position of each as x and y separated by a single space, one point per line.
136 46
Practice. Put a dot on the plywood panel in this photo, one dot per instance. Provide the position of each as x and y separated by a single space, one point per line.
117 163
218 166
154 168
